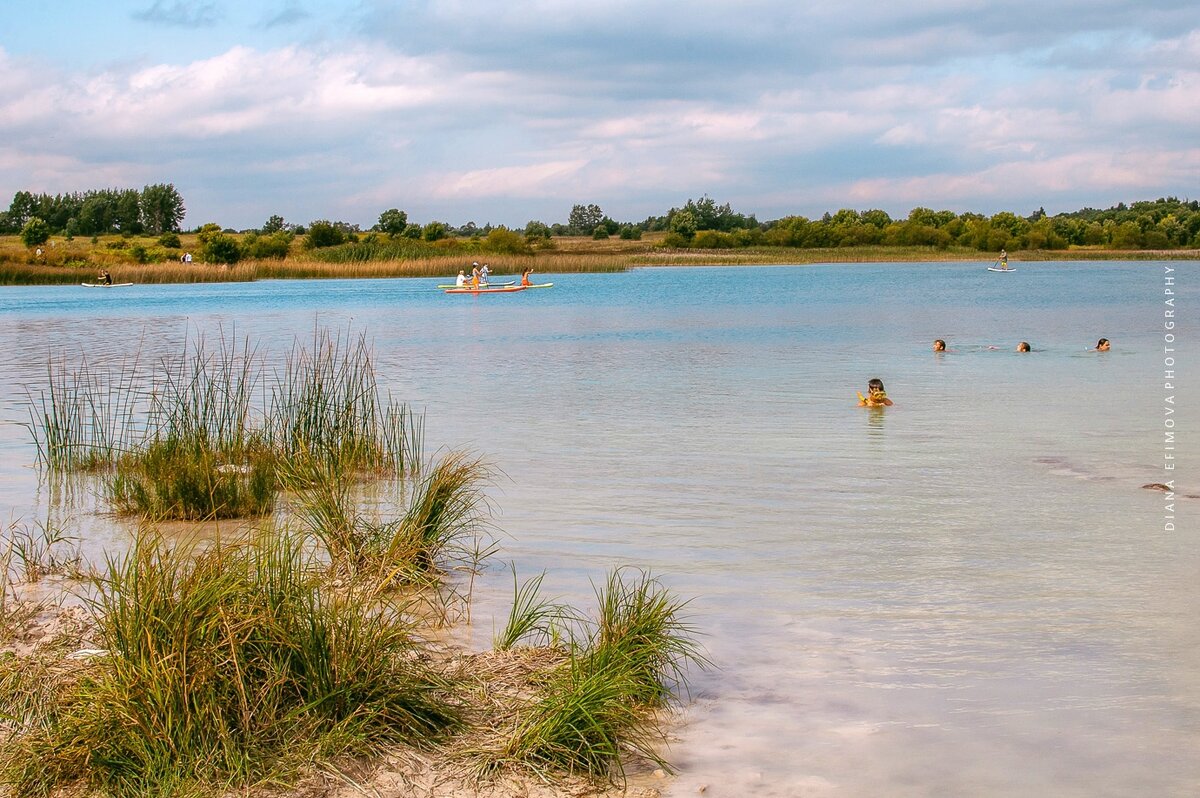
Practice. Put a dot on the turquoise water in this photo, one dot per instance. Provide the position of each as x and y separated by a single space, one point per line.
966 594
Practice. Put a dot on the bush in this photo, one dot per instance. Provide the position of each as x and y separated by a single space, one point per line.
600 233
169 241
35 232
221 248
323 233
273 245
507 242
630 233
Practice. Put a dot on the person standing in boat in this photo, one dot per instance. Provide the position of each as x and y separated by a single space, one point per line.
1003 258
484 274
475 274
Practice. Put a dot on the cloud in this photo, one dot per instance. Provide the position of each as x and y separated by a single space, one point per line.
178 13
290 14
506 111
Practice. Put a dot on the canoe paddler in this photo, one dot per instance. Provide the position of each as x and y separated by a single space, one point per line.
525 276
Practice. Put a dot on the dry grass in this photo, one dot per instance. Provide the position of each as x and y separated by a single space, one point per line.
79 260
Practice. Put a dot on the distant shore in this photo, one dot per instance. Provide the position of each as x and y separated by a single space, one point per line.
70 262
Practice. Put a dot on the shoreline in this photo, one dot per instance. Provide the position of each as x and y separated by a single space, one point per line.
71 263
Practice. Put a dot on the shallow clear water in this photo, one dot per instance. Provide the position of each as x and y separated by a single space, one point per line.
966 594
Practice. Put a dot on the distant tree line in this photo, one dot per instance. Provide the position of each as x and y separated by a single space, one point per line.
1165 223
154 210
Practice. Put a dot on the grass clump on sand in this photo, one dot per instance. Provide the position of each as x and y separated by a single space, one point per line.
600 703
440 529
232 667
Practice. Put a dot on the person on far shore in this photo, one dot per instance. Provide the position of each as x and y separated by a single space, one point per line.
525 277
876 395
1023 346
939 345
460 280
1102 345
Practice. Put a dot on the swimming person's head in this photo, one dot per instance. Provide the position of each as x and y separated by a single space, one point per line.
939 345
1023 346
1102 345
875 386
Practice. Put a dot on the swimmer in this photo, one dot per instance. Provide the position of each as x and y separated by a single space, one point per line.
939 345
876 395
1102 345
1023 346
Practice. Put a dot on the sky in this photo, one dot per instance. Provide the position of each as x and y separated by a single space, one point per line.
507 112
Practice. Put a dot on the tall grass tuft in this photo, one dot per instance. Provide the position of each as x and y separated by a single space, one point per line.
531 618
228 669
442 528
600 705
38 551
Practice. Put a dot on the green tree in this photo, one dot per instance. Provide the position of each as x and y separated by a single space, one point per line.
683 224
161 209
584 218
35 232
273 225
537 229
392 221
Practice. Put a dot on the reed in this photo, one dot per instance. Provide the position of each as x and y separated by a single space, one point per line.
326 404
225 670
84 418
203 435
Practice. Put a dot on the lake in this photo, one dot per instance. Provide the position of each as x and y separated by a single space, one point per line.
968 593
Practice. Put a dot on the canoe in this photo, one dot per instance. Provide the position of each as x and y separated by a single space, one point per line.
105 285
508 289
483 285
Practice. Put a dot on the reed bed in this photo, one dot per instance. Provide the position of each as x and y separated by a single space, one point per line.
228 669
203 434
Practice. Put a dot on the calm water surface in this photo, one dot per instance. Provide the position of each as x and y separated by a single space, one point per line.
966 594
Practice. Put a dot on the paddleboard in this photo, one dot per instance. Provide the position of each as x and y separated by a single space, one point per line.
505 290
105 285
540 285
995 269
482 285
